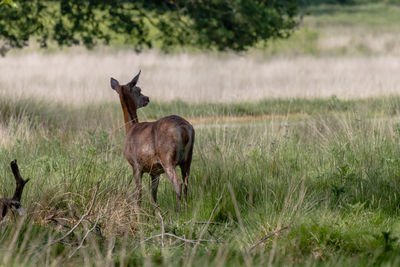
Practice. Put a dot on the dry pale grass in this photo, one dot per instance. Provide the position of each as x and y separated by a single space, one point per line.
115 211
15 130
4 135
78 76
358 40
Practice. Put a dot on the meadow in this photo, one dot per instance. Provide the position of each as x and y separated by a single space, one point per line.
296 159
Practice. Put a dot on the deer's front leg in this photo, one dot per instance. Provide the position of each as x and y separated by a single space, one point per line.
137 191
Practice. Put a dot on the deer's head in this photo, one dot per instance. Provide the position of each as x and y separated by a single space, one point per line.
131 91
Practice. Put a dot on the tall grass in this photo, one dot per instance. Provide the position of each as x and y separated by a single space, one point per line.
196 78
333 179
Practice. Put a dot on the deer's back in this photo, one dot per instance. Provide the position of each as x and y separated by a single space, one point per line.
150 145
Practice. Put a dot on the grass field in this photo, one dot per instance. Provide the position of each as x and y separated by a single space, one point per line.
297 146
70 77
330 172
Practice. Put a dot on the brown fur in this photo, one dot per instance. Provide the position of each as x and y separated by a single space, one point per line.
155 147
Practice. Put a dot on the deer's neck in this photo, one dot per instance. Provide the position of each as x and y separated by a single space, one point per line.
129 109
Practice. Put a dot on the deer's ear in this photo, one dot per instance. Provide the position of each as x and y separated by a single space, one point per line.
135 80
114 84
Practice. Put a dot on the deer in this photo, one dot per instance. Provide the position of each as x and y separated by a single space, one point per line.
14 203
154 147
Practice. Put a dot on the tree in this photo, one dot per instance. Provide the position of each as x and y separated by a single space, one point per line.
7 2
210 24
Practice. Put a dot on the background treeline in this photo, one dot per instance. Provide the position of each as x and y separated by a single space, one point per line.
219 25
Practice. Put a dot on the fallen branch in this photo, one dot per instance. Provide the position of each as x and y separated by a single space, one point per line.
192 241
203 231
78 223
211 223
216 238
56 222
197 242
14 203
19 181
268 236
99 216
211 215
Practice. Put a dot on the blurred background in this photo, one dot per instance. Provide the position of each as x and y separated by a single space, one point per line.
216 51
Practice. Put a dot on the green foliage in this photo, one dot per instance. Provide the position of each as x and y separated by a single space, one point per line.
217 24
8 2
19 23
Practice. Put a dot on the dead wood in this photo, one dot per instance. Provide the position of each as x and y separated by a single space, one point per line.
192 241
14 203
87 213
20 182
99 216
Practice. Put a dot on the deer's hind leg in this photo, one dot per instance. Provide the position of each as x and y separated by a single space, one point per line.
185 170
155 179
173 177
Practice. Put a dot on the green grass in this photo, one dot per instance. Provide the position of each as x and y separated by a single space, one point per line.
322 24
332 176
57 115
367 15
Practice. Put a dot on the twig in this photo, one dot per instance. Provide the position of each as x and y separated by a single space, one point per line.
56 222
99 216
192 241
268 236
79 222
162 228
210 223
205 228
216 238
98 232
